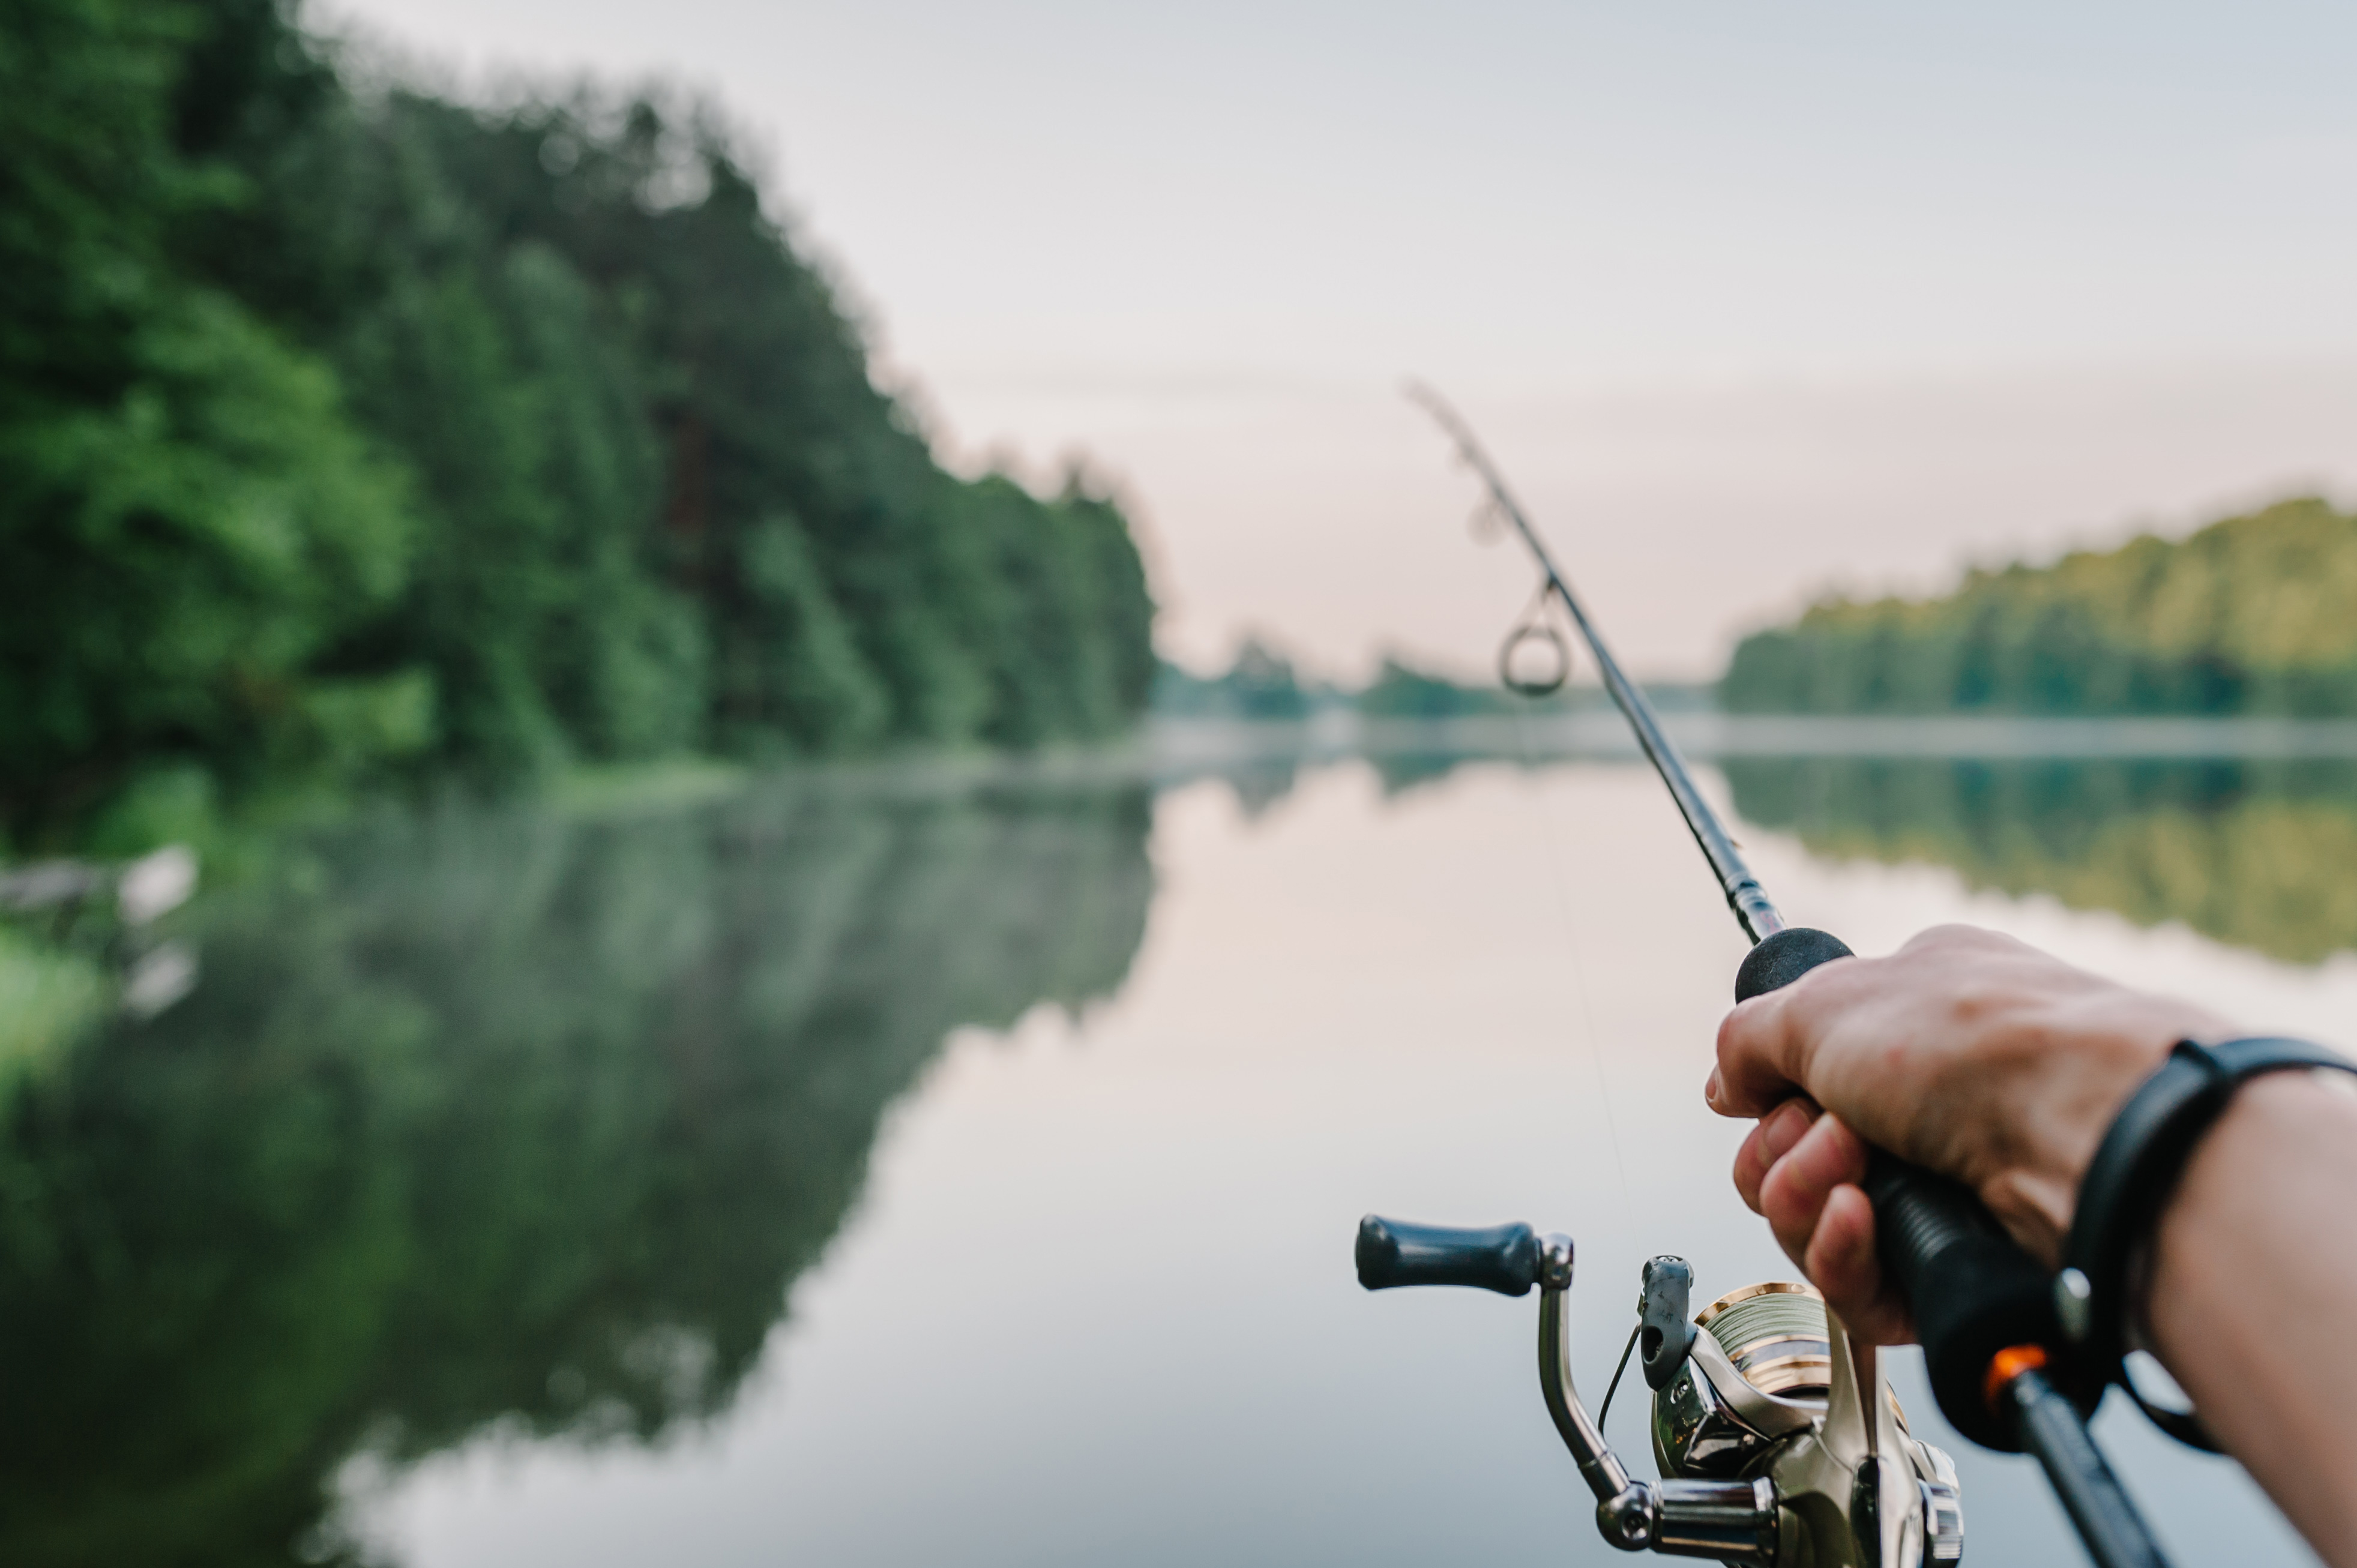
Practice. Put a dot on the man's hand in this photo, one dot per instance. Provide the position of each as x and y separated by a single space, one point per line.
1965 1052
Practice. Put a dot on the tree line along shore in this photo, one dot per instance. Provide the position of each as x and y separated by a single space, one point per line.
352 433
2253 615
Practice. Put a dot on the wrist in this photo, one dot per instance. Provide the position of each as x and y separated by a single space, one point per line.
2224 1192
2079 1064
2161 1146
2253 1267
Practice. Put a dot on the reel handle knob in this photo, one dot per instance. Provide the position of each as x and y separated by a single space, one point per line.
1392 1252
1973 1289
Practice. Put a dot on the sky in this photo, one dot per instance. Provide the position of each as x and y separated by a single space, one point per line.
1752 303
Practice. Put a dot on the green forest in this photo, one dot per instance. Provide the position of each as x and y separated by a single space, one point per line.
2251 615
352 435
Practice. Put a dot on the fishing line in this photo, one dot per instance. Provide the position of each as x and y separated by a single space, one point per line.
1559 885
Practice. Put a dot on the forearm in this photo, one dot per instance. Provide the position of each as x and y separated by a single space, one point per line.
2253 1290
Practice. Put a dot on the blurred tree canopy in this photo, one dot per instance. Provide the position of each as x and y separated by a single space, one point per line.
1262 684
348 429
2249 616
1402 690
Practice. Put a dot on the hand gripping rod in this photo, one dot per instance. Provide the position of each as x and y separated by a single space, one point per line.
1984 1308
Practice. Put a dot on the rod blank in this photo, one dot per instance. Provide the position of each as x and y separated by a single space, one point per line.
1758 916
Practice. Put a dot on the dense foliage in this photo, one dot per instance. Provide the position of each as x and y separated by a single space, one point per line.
2250 615
490 1120
352 430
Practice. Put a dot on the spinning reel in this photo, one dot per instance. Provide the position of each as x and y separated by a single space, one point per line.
1779 1441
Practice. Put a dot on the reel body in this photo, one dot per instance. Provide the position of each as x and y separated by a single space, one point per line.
1757 1398
1778 1442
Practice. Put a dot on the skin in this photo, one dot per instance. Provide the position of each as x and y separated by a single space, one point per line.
1981 1057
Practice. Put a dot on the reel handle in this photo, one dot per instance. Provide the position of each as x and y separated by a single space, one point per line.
1973 1289
1392 1252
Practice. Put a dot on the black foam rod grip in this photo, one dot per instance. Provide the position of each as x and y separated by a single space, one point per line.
1502 1258
1783 957
1972 1289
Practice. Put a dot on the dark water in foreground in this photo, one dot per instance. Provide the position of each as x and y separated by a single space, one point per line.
921 1173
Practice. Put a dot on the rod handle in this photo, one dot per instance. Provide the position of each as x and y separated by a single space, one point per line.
1392 1252
1973 1289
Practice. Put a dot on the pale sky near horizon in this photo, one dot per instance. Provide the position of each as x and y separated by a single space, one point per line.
1749 300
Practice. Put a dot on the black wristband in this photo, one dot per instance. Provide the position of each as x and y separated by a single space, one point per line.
2134 1174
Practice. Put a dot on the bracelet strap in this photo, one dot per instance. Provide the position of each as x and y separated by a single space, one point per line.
2131 1180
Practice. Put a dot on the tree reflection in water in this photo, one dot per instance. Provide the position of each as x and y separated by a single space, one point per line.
485 1116
2259 853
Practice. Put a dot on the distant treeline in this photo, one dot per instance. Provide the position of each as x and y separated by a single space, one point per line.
1262 684
2252 615
348 430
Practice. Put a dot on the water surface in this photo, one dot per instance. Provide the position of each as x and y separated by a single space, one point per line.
927 1172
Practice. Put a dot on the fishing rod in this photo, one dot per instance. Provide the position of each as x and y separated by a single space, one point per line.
1777 1436
1753 912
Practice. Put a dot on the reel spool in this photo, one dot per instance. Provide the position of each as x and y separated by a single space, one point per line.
1777 1337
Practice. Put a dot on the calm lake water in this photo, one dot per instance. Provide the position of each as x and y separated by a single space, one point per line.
921 1172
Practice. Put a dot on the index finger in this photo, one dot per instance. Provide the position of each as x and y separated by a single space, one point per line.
1766 1045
